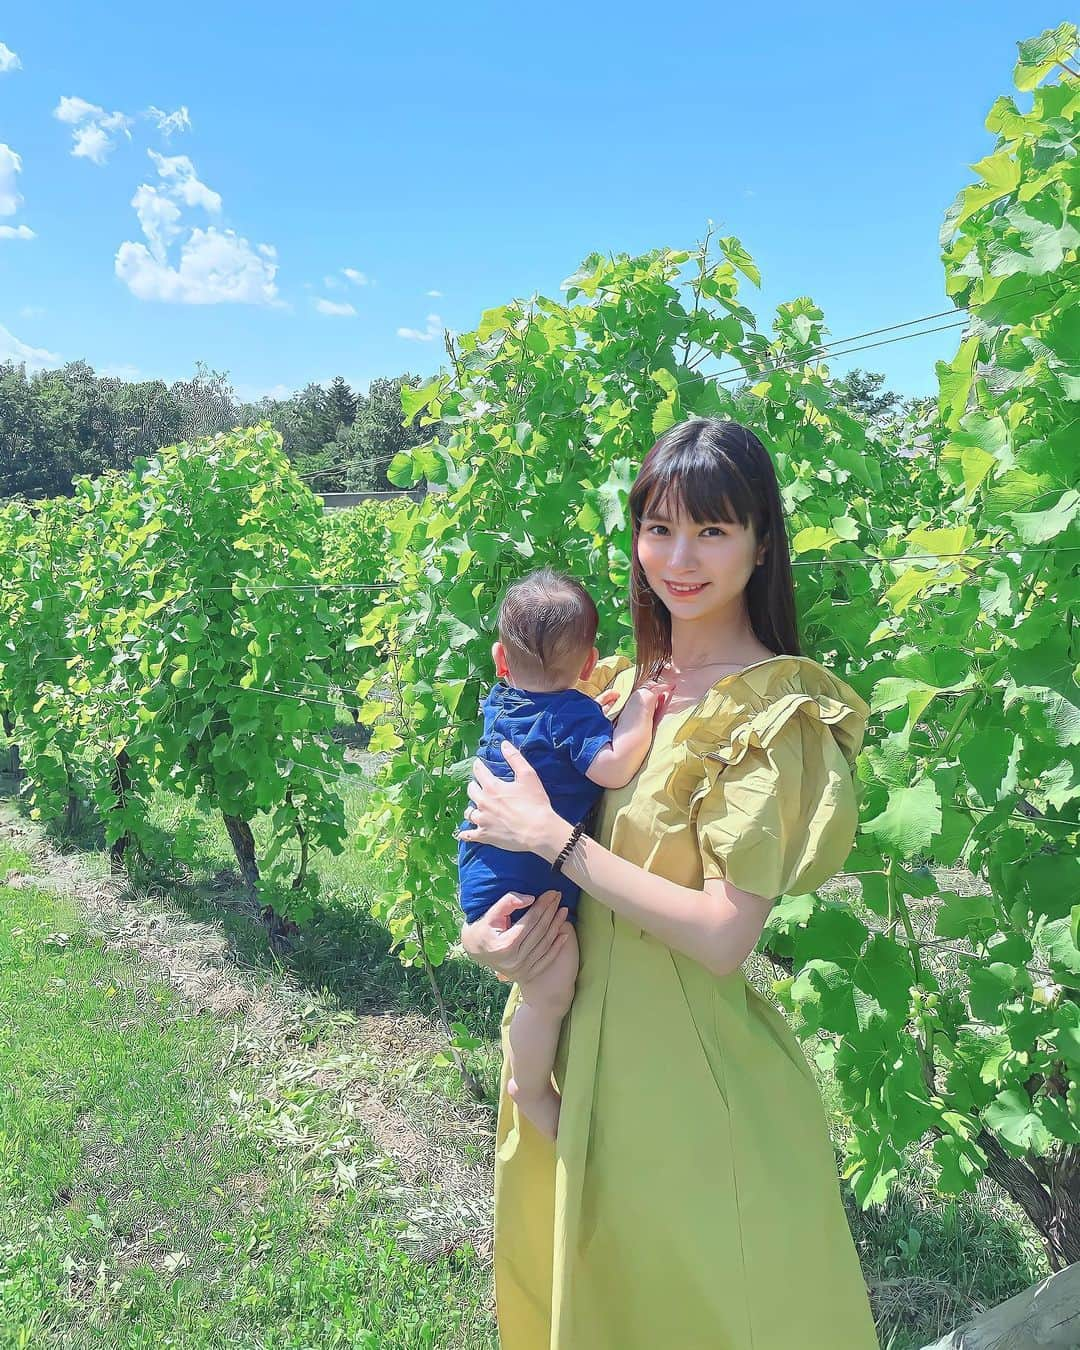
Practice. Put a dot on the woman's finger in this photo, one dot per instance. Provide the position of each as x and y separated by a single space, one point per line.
483 774
498 916
515 944
516 759
532 934
542 962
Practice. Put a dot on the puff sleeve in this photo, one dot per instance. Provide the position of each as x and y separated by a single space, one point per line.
779 810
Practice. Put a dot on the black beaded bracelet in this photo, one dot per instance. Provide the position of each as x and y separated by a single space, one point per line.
556 866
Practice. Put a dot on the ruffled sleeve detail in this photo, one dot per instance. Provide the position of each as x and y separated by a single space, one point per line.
774 804
603 674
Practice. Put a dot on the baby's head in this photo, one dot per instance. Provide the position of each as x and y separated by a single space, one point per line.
547 627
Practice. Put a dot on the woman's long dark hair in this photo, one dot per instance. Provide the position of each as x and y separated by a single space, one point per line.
710 469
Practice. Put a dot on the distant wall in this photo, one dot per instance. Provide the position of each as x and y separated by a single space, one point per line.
337 501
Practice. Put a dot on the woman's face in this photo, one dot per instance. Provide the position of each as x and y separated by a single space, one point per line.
695 569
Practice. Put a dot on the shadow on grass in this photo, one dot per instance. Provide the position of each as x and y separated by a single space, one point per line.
342 953
87 833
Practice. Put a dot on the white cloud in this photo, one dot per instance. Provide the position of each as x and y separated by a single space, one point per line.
31 311
8 60
94 128
435 295
10 196
159 218
34 358
332 307
433 330
179 172
92 142
119 372
73 110
10 167
169 123
334 283
215 266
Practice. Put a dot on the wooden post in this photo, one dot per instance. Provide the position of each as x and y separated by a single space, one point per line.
1044 1317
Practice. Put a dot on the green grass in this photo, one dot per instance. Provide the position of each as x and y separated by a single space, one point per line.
140 1207
278 1254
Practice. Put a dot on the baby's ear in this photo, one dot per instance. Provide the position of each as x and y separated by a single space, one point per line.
498 657
590 663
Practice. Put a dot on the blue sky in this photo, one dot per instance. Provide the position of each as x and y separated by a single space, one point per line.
476 151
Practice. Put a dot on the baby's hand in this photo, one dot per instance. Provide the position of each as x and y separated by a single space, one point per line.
608 698
648 701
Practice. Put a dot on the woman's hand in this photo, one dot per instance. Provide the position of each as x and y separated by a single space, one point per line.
522 950
515 814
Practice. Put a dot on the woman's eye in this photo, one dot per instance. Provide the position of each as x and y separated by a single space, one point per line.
714 528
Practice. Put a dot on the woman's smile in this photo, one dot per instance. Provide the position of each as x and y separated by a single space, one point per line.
683 590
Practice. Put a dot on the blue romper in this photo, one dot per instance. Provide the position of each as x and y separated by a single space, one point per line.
559 733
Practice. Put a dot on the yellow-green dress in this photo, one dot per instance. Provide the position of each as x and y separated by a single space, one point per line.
691 1200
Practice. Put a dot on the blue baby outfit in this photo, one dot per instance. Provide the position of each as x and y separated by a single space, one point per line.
559 733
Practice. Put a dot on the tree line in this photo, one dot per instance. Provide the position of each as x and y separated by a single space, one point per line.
58 424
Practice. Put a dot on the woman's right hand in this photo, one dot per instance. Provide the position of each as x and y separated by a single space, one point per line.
520 951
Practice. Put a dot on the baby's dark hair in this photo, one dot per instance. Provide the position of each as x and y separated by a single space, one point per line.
547 623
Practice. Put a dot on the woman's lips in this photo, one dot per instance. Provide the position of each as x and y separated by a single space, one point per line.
685 594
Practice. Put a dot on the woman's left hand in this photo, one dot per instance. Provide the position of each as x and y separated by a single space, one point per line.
514 814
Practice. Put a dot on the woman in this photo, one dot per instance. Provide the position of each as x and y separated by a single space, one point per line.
690 1198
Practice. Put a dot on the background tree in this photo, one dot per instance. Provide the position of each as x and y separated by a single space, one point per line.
341 404
378 434
861 392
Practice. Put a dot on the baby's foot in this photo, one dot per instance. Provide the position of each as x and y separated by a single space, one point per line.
543 1111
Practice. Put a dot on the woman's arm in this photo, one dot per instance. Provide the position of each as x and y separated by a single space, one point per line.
718 926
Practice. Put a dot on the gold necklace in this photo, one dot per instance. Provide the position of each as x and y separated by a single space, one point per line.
704 667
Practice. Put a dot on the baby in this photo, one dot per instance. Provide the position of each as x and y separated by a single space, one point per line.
547 626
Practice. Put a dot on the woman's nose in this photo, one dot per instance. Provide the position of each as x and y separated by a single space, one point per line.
682 553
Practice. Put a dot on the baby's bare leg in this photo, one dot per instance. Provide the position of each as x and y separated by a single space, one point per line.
534 1037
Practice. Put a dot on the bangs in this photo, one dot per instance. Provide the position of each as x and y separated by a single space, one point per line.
693 481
